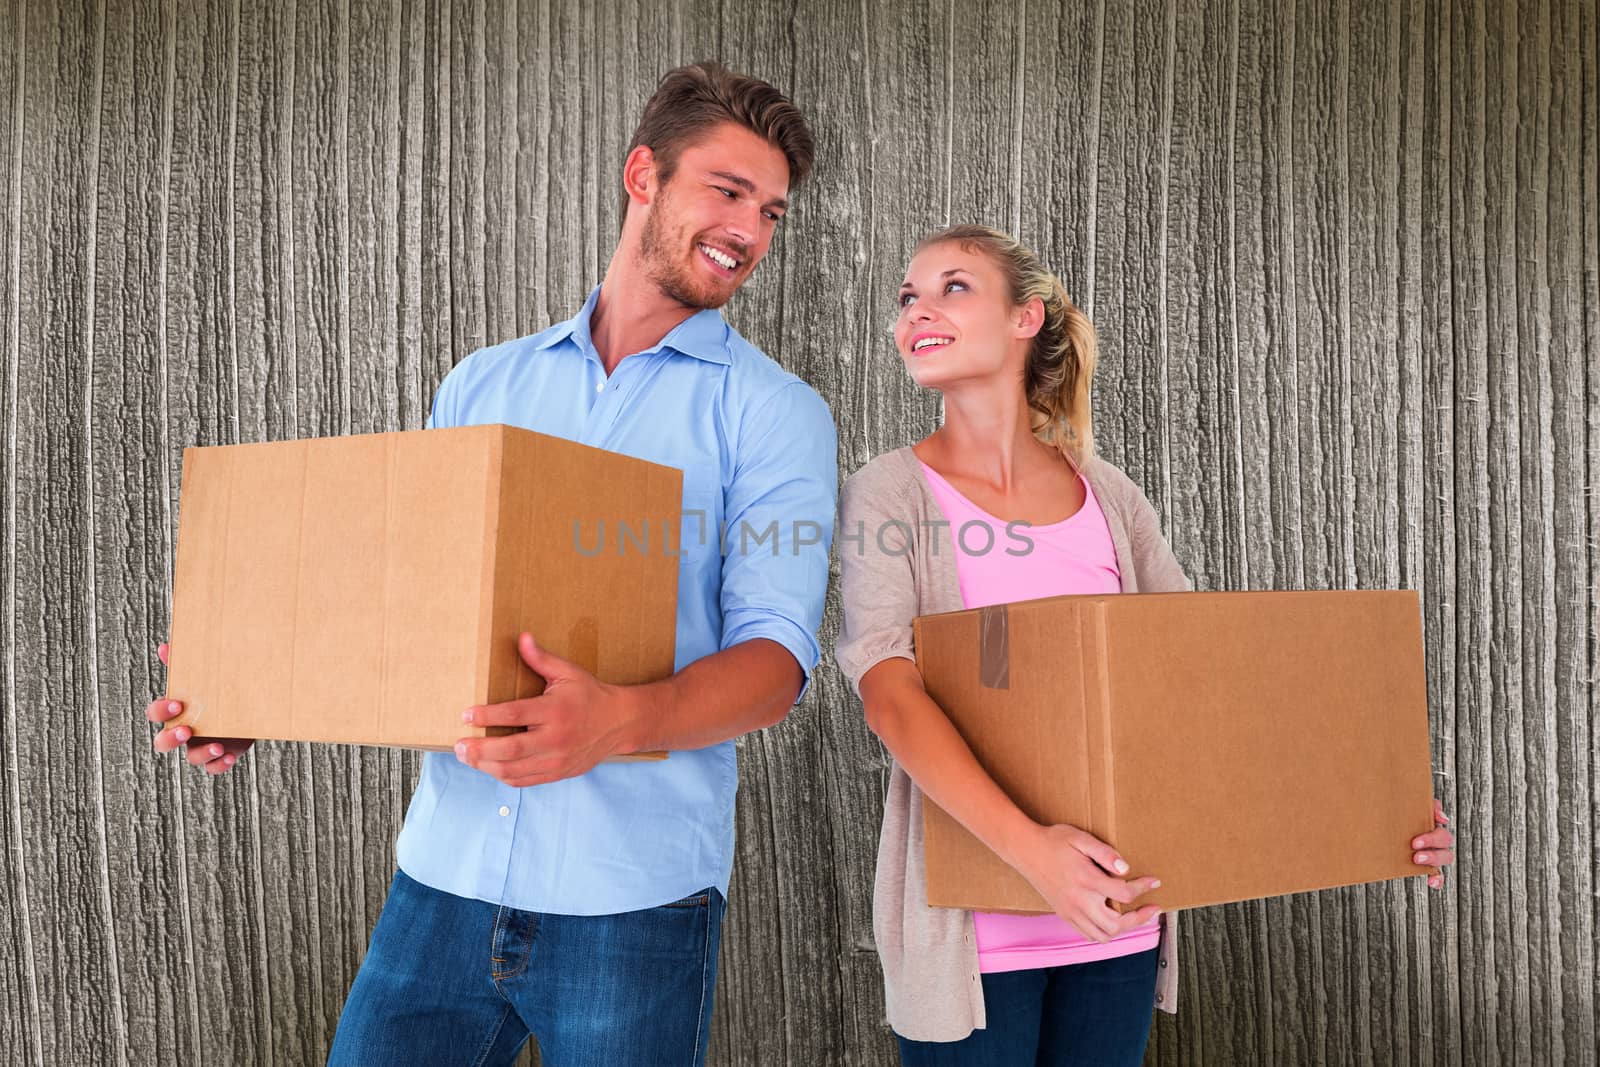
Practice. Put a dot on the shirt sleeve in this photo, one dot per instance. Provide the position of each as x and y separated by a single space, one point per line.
444 413
779 512
877 583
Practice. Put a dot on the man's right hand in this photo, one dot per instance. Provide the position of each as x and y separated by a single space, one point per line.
1078 874
215 754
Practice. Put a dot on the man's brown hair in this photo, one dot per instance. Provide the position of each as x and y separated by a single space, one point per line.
692 99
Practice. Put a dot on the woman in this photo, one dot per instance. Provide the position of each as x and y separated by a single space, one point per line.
984 323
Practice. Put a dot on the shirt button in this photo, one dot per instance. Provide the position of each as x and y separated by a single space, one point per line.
600 388
504 810
1163 963
1159 998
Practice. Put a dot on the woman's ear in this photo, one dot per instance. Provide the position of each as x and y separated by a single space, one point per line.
638 172
1030 317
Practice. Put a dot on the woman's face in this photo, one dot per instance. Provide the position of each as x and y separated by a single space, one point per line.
956 321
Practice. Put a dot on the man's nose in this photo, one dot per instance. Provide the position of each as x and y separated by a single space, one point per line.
744 226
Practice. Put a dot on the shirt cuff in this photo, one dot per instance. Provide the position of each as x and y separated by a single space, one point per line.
800 644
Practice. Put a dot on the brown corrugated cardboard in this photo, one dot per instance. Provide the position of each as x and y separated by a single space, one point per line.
1234 745
369 589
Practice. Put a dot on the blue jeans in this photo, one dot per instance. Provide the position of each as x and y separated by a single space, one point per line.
448 980
1089 1014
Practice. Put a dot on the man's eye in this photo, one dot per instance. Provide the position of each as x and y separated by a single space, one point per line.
773 216
729 193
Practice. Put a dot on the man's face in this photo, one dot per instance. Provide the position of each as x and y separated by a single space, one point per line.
712 221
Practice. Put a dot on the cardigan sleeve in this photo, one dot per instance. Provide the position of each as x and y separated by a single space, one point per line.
1158 568
1154 563
877 574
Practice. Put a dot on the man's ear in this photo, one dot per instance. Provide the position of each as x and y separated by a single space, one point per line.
1030 318
639 175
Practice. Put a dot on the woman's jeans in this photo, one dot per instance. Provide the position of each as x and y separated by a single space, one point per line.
1089 1014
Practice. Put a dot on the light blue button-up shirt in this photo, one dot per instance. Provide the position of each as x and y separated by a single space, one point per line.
757 445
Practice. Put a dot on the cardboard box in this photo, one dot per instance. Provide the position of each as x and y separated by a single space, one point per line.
1234 745
369 589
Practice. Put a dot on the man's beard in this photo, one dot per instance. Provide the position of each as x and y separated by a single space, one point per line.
664 266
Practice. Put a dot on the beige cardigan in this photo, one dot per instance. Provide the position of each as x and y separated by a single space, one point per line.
898 562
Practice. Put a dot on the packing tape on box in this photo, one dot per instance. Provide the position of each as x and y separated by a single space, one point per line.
994 647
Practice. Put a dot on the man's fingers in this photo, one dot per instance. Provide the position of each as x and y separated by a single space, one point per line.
547 665
162 709
510 713
203 752
526 771
222 763
167 740
508 748
1440 858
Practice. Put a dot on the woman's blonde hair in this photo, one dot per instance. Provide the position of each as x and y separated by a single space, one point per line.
1061 360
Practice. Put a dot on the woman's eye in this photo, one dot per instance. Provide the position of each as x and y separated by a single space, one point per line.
952 284
907 298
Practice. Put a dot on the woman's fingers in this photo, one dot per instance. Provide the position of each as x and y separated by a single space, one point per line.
1126 891
1103 854
1436 848
1440 838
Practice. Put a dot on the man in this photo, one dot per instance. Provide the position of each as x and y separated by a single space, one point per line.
541 890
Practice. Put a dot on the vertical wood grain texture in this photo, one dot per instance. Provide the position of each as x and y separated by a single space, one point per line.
1345 261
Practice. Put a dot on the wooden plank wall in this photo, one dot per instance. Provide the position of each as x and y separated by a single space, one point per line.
1345 261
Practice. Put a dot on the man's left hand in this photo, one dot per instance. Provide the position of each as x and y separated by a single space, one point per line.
574 724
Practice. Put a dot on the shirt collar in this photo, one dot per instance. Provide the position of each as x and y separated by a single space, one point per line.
702 336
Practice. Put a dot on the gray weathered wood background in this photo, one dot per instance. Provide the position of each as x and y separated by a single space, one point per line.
1345 260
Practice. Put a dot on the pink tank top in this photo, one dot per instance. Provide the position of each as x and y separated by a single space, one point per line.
997 563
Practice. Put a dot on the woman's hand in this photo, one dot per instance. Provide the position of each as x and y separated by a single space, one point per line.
1436 848
1072 870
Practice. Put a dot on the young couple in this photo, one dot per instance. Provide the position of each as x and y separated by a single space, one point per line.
542 891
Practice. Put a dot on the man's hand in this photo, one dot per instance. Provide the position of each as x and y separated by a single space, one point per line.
574 724
215 754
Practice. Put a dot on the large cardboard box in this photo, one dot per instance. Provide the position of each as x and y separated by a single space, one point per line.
1234 745
369 589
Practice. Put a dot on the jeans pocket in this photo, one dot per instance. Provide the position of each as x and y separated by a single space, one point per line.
693 900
